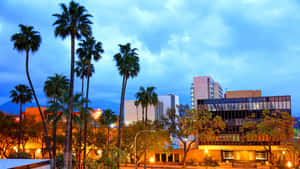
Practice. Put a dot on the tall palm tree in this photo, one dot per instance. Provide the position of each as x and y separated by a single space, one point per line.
128 65
88 50
146 97
30 40
54 87
81 71
108 118
73 21
21 94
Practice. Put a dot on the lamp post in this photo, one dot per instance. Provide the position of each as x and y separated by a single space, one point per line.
137 134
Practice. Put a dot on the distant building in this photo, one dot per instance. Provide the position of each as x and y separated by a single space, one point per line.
165 102
204 87
242 94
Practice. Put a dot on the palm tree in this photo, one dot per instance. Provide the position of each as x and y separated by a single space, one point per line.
73 21
53 88
20 95
108 118
128 65
30 40
146 97
81 71
88 50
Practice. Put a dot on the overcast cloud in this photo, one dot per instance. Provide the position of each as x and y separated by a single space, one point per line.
246 44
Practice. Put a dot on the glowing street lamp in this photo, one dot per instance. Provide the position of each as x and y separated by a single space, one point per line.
151 160
289 164
15 148
283 152
206 151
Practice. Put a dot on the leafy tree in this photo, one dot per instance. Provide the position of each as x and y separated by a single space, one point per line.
146 97
263 130
54 87
128 65
73 21
30 130
192 125
157 140
88 50
8 134
108 118
30 40
20 95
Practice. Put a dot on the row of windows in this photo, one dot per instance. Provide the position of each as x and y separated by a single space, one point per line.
247 100
259 155
163 157
247 106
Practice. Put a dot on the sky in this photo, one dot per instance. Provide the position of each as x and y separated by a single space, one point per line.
244 45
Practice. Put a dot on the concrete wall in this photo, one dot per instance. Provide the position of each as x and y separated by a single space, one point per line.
243 94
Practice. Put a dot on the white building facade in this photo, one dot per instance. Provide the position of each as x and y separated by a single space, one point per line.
133 113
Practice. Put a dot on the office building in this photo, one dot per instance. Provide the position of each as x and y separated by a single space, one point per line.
204 87
165 102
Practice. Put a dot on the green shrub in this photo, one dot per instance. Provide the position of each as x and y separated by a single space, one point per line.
208 161
60 161
19 155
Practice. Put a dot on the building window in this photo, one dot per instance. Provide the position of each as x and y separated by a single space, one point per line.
228 155
163 157
170 158
176 158
261 155
157 157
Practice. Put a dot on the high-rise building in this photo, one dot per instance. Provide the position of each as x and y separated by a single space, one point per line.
204 87
165 102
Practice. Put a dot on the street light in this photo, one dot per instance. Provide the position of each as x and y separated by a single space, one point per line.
137 134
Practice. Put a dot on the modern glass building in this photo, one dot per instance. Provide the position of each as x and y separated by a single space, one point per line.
234 112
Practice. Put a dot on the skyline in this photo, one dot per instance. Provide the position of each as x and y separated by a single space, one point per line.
242 45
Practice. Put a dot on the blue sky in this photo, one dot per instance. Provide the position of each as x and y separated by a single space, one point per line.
245 44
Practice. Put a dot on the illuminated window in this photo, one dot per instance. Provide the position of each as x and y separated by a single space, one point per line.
228 155
261 155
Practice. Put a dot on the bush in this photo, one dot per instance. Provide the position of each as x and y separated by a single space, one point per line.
60 161
208 161
19 155
106 161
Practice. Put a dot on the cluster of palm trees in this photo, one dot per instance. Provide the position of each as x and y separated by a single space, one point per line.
73 21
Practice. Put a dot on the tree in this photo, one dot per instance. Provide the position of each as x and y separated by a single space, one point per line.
20 95
263 130
108 118
73 21
30 40
157 140
8 134
88 50
146 98
82 72
128 65
54 87
192 126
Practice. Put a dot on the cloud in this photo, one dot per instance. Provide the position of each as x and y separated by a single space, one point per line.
247 44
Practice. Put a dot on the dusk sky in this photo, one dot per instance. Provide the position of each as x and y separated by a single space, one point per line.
242 44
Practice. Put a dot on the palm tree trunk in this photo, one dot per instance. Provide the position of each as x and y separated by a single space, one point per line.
145 147
107 141
121 118
54 145
80 129
85 119
20 129
68 136
37 103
